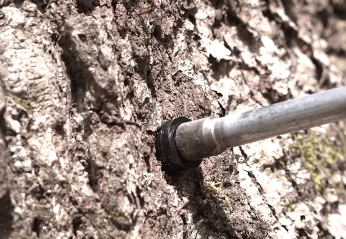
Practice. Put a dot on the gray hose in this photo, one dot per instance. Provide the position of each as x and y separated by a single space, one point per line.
211 136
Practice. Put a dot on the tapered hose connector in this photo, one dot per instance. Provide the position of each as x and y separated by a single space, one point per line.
166 150
181 143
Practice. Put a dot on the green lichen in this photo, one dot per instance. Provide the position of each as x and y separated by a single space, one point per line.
229 217
119 217
218 185
227 202
215 188
145 3
79 155
318 154
24 103
291 207
57 198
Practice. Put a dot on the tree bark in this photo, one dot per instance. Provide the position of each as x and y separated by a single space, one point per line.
86 84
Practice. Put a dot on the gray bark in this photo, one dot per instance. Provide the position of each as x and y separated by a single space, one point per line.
87 83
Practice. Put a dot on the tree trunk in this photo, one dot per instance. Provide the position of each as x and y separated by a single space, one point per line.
85 84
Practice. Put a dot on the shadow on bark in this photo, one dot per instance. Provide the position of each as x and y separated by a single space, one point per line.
6 217
209 218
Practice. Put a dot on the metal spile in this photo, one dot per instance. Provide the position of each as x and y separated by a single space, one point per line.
194 140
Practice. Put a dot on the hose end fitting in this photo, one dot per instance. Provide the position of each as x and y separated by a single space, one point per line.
167 152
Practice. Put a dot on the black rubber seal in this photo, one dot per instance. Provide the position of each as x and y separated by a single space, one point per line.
166 150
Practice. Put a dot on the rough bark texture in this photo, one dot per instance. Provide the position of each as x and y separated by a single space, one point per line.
84 85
